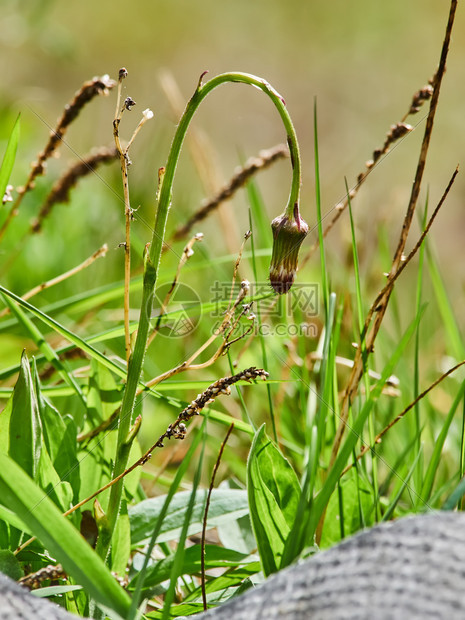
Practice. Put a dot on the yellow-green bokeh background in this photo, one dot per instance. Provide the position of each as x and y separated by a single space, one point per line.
362 60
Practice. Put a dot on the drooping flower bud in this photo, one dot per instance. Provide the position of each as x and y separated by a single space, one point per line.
288 234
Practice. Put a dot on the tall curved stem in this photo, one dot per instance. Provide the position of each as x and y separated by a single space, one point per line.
153 254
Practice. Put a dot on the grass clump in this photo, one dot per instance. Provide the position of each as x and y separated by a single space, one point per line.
110 462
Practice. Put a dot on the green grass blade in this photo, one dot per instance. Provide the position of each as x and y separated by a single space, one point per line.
405 480
455 497
9 158
355 432
445 308
435 458
176 569
324 274
57 534
180 473
360 316
418 478
66 333
254 208
44 347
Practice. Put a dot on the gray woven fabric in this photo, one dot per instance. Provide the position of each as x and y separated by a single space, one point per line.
408 569
16 603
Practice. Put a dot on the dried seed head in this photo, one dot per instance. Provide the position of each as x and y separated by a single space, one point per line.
7 197
129 103
288 235
420 97
147 114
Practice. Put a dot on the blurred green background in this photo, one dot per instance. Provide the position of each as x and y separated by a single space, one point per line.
361 60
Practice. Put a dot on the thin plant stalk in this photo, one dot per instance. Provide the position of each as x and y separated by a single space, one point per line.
205 515
127 213
371 428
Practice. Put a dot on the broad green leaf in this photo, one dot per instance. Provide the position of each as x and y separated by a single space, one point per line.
237 534
273 493
225 505
60 440
121 542
356 496
103 397
59 536
95 467
9 158
59 491
4 535
24 431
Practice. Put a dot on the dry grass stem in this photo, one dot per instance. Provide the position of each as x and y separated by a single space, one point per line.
127 209
395 133
61 190
247 236
379 310
89 90
407 259
378 438
205 516
226 328
123 153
